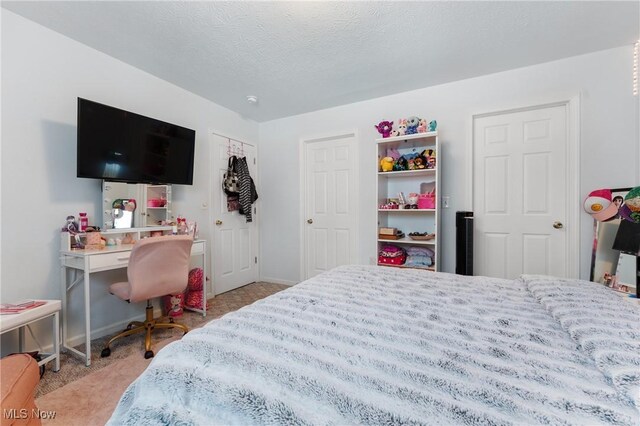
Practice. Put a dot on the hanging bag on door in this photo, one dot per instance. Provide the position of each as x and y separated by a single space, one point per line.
230 180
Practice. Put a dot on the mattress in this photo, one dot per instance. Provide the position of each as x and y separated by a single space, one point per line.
375 345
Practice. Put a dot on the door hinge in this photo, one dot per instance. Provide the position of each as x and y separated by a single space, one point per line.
256 259
255 210
254 161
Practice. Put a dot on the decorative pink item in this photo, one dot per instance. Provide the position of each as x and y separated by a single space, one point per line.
156 202
427 201
194 299
599 204
384 128
195 282
174 304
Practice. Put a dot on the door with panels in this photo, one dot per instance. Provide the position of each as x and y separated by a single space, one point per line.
234 240
329 200
520 193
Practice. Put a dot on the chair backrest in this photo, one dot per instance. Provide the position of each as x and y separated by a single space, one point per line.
159 266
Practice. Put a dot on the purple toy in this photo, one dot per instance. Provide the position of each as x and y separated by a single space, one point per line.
384 128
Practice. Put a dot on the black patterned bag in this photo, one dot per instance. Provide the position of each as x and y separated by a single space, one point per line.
230 179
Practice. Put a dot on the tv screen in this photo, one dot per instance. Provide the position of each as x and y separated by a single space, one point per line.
119 145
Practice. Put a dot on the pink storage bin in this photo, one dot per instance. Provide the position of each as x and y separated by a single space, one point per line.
155 202
427 201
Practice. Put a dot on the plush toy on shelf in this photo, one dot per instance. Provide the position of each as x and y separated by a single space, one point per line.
422 126
412 125
384 128
393 153
386 164
401 128
433 125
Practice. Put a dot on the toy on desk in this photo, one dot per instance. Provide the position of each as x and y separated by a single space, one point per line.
71 226
128 239
384 128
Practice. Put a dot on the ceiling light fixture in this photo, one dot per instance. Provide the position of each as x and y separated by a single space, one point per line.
635 68
252 99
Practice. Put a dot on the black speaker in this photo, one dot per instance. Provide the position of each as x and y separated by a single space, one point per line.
464 243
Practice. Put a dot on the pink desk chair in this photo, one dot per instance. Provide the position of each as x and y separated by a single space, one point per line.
157 266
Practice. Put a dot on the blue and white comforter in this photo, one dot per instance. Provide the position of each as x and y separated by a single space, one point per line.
375 345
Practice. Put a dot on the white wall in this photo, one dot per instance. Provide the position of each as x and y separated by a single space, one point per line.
610 146
43 73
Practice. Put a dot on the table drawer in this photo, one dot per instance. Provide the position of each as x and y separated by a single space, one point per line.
109 260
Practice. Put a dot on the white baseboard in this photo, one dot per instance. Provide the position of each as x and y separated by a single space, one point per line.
278 281
113 328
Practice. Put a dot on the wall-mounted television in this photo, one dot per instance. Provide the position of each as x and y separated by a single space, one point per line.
118 145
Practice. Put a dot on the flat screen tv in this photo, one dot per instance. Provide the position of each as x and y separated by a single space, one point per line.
118 145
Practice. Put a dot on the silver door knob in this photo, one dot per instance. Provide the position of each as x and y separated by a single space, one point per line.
558 225
218 222
309 221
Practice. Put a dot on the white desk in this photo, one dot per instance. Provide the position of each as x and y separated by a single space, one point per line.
83 263
20 320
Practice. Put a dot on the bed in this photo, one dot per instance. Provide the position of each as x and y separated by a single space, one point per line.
378 345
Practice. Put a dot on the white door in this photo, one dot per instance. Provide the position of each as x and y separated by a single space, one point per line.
520 193
329 200
234 240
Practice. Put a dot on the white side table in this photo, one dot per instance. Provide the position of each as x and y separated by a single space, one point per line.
19 321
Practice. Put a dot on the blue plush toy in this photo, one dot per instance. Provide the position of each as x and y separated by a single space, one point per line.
433 125
412 125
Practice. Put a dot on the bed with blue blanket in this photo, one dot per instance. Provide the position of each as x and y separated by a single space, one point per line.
378 345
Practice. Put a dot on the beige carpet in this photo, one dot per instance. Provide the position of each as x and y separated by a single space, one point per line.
91 399
82 395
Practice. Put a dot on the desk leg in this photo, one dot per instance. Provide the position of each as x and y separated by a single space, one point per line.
56 339
87 312
204 282
21 339
63 280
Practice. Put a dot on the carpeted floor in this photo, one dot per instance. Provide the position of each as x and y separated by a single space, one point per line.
73 369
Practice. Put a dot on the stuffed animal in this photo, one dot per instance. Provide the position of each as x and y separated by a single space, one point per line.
401 164
433 125
412 164
401 128
384 128
386 164
422 126
419 163
412 125
71 226
393 153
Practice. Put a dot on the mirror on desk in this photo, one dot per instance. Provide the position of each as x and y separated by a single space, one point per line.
606 262
135 205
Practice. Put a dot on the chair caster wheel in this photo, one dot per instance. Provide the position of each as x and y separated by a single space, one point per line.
105 353
148 354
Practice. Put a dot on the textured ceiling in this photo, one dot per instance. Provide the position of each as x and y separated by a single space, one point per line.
304 56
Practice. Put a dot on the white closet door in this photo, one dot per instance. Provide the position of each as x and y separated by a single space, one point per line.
234 241
520 193
329 204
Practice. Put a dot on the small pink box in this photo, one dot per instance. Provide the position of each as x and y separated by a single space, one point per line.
155 202
427 201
